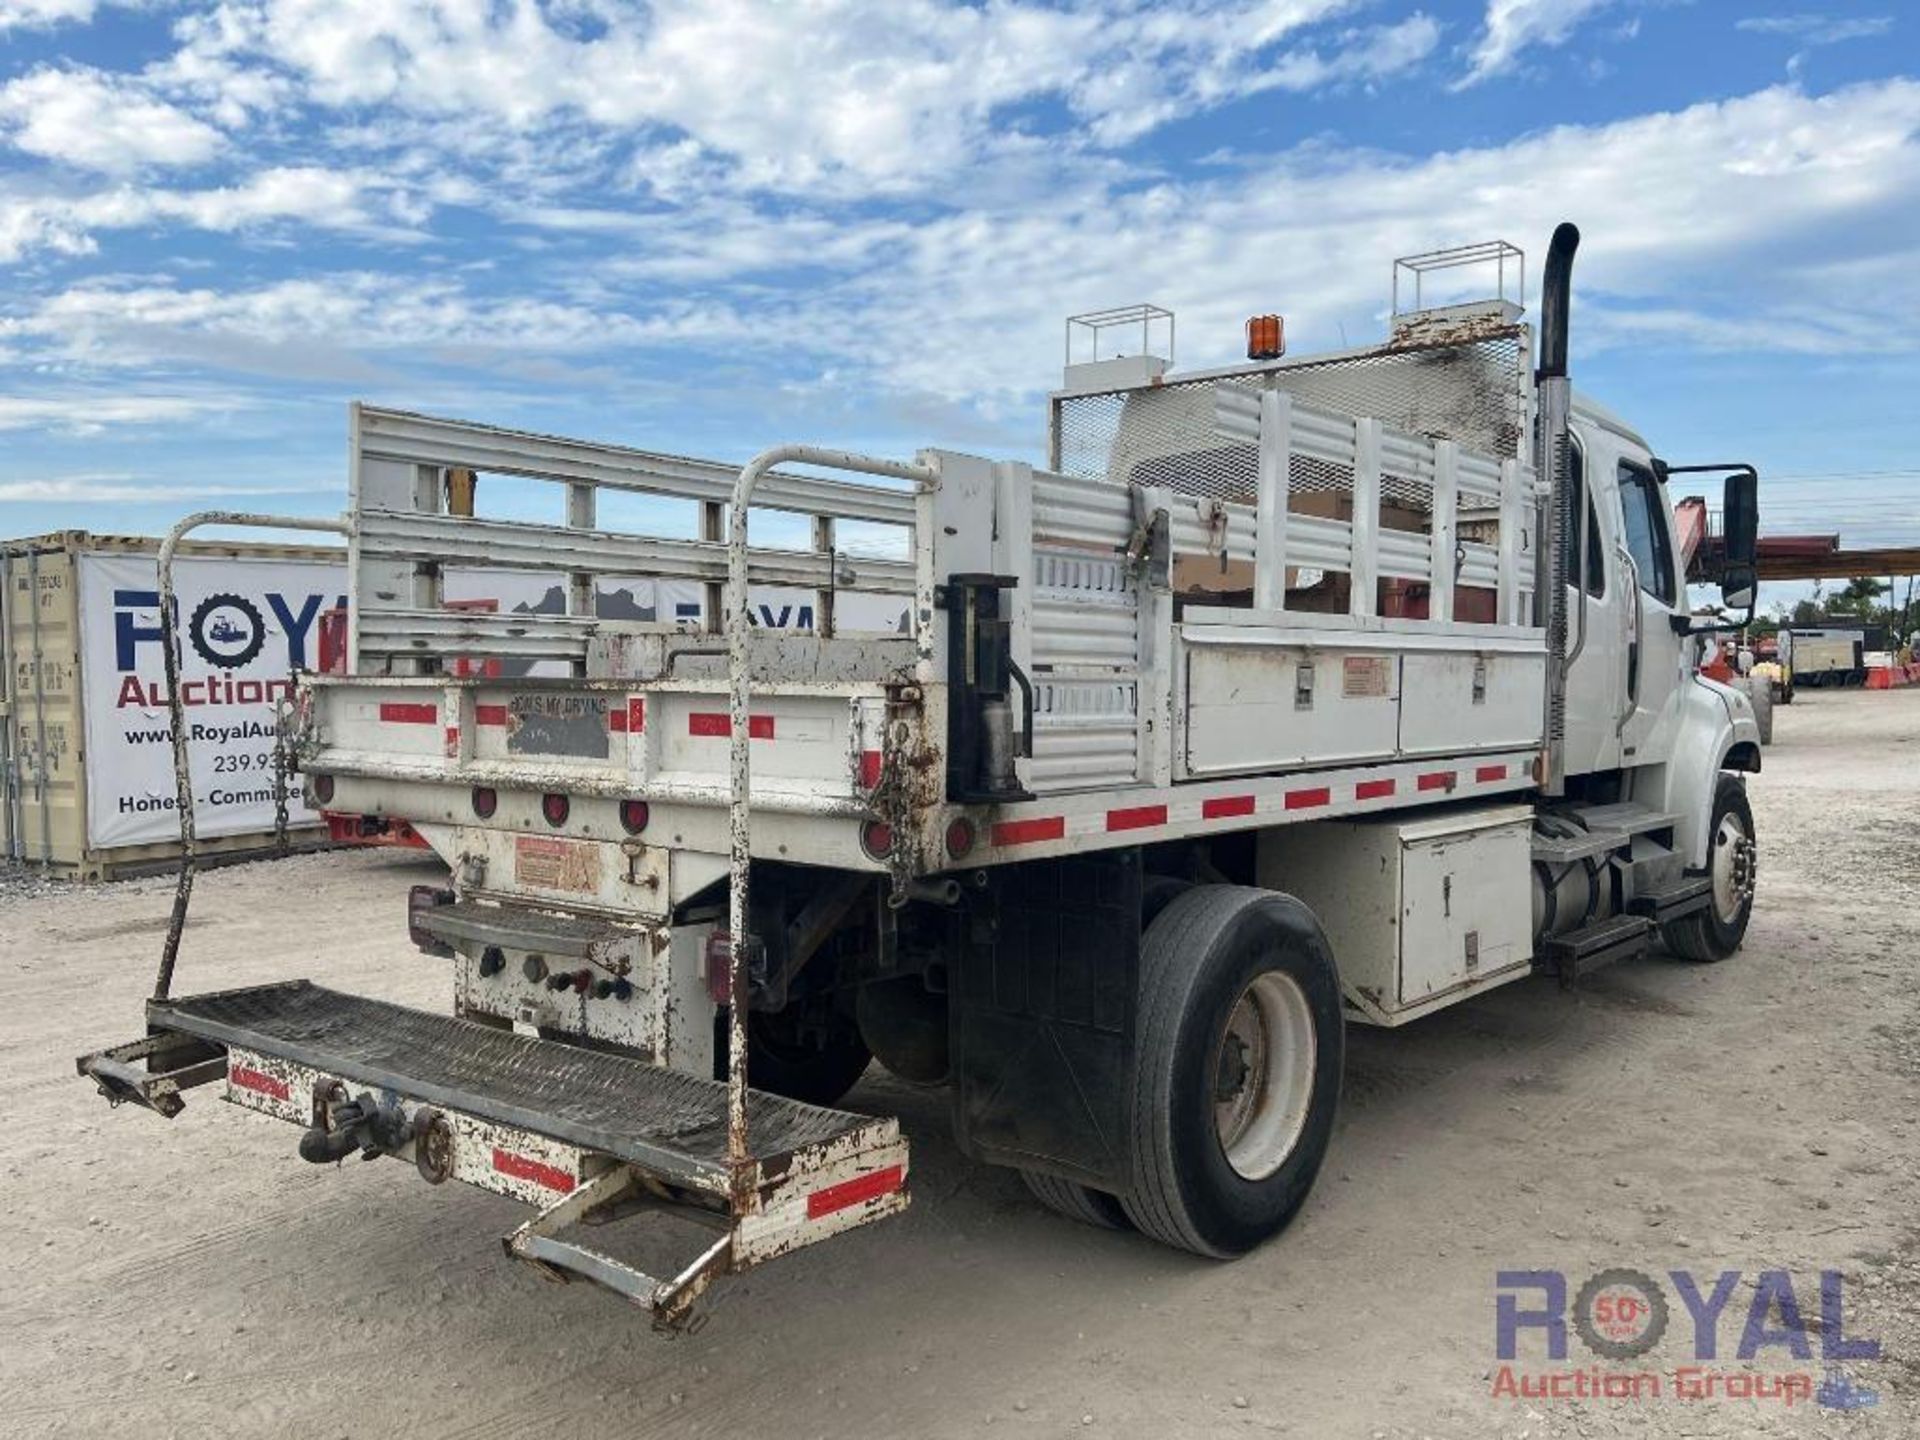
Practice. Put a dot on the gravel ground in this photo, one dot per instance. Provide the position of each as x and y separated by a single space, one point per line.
194 1278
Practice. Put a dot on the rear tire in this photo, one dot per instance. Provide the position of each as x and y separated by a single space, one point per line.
1714 933
817 1069
1760 694
1076 1201
1240 1042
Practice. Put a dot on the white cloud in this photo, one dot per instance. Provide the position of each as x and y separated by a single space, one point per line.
323 320
88 412
1513 27
37 14
1682 211
863 95
308 195
99 121
114 489
1687 244
1818 29
1370 55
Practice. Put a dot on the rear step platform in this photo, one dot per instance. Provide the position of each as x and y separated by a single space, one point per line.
670 1124
580 1132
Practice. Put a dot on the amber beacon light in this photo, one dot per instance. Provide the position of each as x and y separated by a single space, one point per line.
1266 337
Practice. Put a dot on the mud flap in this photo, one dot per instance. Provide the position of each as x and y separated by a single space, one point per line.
1042 1015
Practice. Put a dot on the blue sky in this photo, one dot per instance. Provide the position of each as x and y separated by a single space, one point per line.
706 227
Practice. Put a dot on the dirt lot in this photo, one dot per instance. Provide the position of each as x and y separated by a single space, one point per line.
194 1278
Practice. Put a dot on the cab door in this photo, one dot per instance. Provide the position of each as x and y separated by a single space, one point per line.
1656 654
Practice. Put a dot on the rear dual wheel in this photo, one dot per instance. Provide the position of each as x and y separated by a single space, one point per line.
1239 1041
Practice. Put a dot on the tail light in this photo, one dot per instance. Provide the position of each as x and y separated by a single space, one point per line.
719 954
634 815
323 789
485 801
555 807
876 838
960 838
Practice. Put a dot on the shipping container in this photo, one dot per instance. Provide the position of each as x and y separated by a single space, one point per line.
85 748
89 784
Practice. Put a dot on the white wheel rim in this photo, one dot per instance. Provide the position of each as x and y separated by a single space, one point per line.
1733 868
1263 1075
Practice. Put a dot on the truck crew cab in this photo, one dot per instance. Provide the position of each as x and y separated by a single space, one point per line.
1293 694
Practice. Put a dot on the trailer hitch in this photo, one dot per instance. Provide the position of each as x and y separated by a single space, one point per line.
342 1126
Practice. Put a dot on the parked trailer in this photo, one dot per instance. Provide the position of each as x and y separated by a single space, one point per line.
1829 657
89 789
1115 853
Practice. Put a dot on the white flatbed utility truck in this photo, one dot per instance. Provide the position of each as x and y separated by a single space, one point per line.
1274 703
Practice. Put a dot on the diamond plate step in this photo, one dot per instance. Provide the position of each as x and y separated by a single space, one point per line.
670 1124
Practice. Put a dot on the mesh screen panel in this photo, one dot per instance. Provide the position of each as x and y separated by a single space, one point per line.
1474 392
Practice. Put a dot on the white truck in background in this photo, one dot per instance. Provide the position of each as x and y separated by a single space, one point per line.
1288 695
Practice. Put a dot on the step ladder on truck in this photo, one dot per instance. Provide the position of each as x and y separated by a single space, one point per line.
1290 694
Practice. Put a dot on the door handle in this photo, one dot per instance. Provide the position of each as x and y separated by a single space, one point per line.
1631 614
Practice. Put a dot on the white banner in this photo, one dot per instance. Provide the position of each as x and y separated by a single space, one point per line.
244 625
666 602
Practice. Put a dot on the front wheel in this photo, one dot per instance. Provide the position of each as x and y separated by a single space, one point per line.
1240 1045
1717 930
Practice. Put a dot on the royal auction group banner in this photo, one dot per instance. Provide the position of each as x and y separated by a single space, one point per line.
244 627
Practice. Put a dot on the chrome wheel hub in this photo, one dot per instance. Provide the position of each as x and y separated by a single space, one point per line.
1263 1075
1735 865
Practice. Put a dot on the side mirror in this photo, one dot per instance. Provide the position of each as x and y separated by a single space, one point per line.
1738 584
1740 511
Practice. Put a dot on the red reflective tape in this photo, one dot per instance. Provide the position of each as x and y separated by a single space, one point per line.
1307 799
522 1167
1140 817
713 724
490 715
870 1186
247 1078
870 764
1026 832
1491 772
453 741
1225 807
396 713
1373 789
1437 780
636 714
616 719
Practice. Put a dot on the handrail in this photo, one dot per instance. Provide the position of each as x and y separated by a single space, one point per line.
739 806
408 438
176 710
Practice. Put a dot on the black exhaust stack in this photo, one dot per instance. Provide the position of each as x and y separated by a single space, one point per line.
1556 295
1555 396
